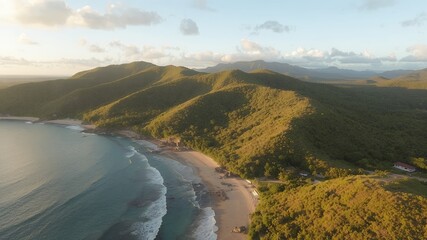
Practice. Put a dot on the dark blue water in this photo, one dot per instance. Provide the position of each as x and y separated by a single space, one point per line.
59 183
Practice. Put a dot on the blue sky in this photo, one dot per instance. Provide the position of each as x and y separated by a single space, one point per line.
65 36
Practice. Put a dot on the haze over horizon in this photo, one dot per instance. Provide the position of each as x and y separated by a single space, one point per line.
61 37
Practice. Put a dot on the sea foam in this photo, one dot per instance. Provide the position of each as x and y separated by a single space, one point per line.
204 226
75 128
155 210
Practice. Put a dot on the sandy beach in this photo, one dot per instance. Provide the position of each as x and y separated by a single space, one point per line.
233 201
235 208
72 122
68 121
28 119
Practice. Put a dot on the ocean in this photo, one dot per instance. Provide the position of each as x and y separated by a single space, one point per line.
59 183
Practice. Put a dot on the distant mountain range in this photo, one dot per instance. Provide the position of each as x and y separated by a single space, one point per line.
330 73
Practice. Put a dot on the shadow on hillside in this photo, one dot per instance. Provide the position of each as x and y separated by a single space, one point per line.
365 126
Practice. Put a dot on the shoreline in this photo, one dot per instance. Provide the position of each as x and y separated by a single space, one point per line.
232 198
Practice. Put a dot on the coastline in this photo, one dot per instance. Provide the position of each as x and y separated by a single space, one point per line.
232 199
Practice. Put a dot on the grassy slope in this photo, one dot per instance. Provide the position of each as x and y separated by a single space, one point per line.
255 123
416 80
357 207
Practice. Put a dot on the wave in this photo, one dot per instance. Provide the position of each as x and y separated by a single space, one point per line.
29 122
155 210
148 145
205 225
132 152
75 128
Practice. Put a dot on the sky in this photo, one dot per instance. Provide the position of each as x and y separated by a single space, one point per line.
62 37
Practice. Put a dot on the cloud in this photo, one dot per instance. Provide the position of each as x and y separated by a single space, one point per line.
273 26
370 5
364 57
115 17
24 39
146 52
57 13
307 54
189 27
252 48
96 49
7 60
417 21
202 5
418 53
42 12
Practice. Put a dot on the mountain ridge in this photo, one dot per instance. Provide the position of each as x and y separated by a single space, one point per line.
329 73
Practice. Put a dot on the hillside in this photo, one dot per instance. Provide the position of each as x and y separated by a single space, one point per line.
321 74
256 124
357 207
414 80
409 80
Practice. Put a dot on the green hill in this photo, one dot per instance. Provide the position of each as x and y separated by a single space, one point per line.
356 207
256 124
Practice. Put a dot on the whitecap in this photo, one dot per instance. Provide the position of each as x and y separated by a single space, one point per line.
75 128
132 152
205 226
154 212
148 145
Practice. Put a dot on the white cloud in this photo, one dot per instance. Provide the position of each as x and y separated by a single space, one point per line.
42 12
418 53
146 52
250 47
189 27
7 60
376 4
249 50
58 13
364 57
60 67
273 26
417 21
115 17
24 39
202 5
96 49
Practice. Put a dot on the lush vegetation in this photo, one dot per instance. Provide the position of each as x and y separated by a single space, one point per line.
356 207
264 124
256 124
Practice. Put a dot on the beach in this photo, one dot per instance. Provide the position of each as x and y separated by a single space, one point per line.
233 201
239 203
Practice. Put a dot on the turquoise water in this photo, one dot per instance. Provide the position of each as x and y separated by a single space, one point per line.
59 183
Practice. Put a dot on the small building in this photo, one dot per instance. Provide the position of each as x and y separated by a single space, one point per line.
405 167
